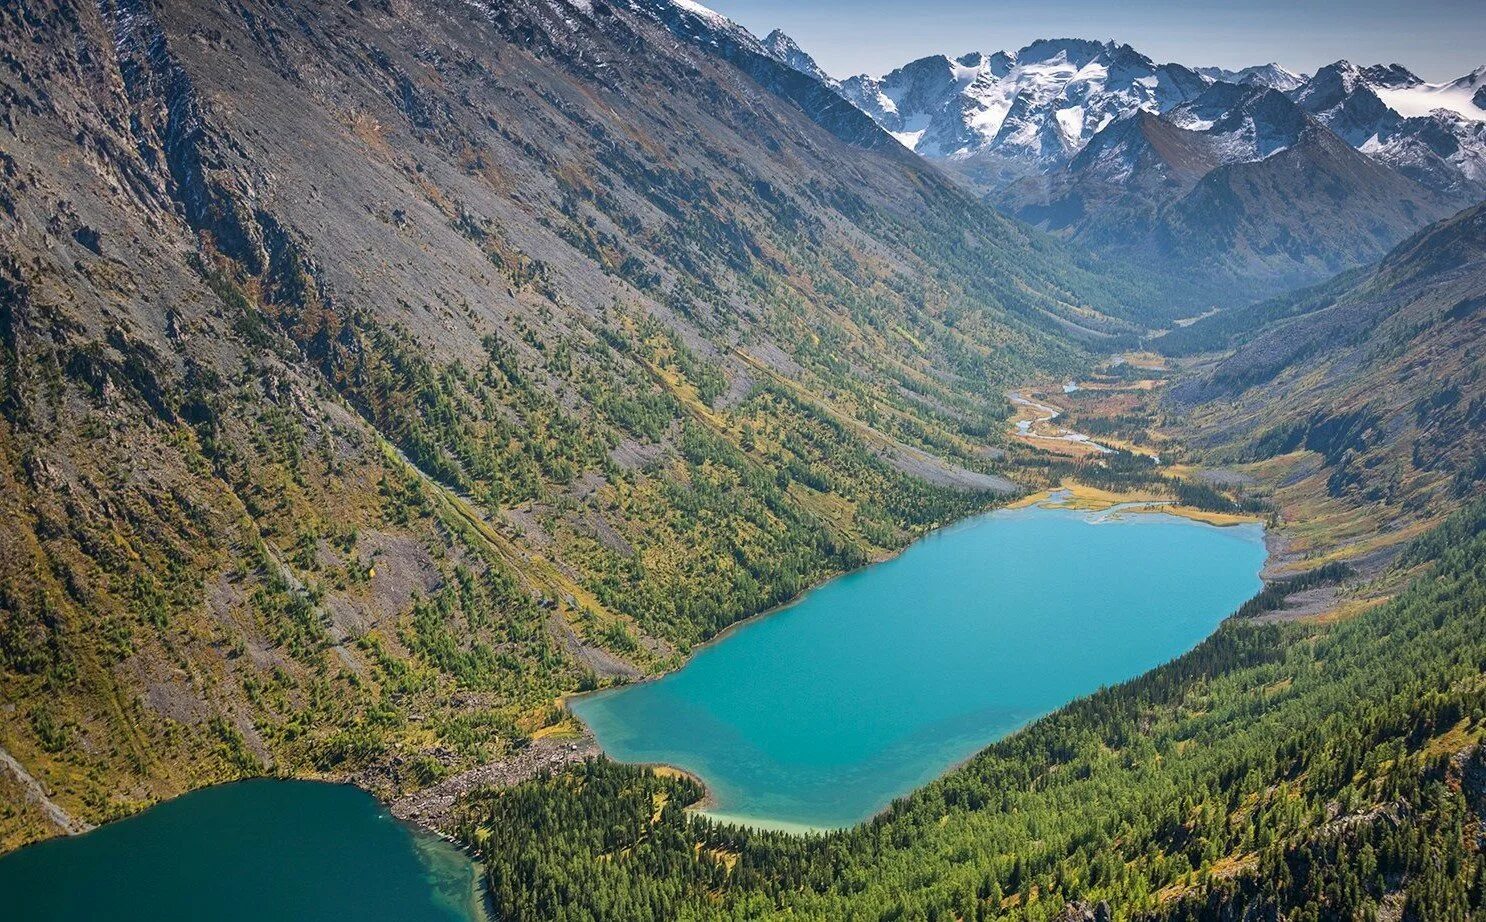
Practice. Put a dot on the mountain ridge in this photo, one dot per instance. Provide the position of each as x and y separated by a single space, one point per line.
1017 125
1329 369
1239 188
377 373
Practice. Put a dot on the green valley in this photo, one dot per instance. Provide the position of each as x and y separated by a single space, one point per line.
375 377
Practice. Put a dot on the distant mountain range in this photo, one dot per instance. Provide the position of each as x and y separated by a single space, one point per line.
1271 75
1033 109
1247 181
1240 188
1433 133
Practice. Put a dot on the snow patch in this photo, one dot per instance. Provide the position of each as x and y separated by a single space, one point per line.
1424 98
706 13
1071 120
909 139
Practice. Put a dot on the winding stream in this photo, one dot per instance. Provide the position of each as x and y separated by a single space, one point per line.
1028 427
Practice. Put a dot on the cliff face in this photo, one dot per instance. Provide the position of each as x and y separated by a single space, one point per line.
375 372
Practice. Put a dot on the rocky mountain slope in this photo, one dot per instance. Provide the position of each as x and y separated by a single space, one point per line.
1184 168
1371 384
1239 189
376 372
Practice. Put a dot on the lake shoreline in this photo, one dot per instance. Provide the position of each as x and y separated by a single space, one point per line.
429 809
1112 507
1084 498
432 808
708 799
758 617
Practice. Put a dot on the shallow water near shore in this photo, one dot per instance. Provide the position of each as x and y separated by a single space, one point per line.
821 714
254 850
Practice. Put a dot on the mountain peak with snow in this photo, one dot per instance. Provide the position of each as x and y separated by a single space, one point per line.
1007 115
1036 106
788 52
1392 76
1434 133
711 16
1271 75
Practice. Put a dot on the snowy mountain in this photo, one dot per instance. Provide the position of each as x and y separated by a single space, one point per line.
1024 112
1246 181
1271 75
1240 188
1242 122
1253 180
1000 117
1433 133
1462 96
783 49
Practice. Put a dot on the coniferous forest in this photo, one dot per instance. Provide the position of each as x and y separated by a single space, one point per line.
378 376
1296 771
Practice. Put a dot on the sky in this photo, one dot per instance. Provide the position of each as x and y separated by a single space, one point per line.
1436 39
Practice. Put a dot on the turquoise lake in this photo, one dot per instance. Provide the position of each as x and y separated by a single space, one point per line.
813 717
819 715
266 851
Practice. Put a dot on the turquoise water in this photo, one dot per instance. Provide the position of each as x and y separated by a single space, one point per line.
816 716
819 715
267 851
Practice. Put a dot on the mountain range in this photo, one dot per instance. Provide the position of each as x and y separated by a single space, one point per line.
1033 109
1098 143
1240 187
537 345
375 375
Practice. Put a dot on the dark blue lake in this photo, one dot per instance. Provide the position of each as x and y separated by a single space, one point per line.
255 851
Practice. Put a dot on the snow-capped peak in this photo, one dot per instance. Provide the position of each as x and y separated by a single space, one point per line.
787 51
1271 75
1033 110
1410 96
711 16
1472 81
1036 106
1392 76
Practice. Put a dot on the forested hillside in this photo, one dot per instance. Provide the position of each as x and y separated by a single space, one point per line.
375 372
1365 393
1297 770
